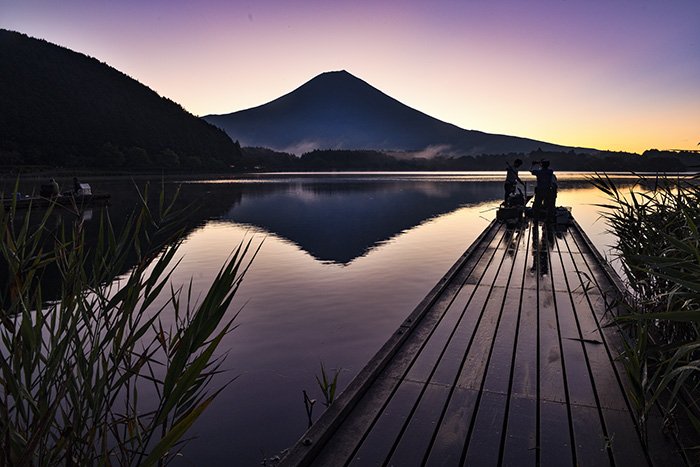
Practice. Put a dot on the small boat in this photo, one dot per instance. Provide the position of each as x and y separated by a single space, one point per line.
66 199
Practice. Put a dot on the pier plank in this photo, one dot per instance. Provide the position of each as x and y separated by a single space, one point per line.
448 443
519 446
508 361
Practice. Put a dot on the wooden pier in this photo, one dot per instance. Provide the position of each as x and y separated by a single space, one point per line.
510 360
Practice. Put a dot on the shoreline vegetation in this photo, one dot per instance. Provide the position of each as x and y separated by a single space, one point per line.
652 160
110 372
247 160
658 245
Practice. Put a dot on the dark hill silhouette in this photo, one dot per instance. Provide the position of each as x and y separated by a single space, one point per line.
336 110
61 107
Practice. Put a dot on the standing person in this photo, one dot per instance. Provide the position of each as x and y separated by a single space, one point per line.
511 179
551 204
76 186
543 189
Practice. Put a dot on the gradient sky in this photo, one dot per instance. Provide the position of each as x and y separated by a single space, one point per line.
609 74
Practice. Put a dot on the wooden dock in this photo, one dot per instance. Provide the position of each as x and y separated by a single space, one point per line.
508 361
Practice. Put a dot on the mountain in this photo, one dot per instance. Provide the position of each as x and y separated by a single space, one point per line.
336 110
61 107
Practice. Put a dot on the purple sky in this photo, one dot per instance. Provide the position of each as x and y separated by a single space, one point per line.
610 74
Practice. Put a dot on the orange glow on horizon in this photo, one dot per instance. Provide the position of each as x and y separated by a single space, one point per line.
584 74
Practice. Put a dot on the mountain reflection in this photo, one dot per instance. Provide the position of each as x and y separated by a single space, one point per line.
340 221
334 218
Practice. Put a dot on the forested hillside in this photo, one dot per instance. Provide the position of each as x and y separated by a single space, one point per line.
259 159
62 108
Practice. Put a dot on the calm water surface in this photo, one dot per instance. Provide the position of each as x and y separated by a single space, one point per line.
344 259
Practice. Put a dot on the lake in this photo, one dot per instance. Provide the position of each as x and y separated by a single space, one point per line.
345 257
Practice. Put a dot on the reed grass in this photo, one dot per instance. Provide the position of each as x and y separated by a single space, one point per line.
309 407
328 385
658 241
96 377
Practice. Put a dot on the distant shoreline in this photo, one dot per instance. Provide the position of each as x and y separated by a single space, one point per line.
99 174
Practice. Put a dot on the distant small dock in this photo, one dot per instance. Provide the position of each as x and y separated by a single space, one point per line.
507 361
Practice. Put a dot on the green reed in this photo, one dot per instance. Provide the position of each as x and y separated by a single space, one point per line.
95 377
658 242
328 385
329 388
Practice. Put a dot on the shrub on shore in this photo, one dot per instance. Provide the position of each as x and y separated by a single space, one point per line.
96 376
657 228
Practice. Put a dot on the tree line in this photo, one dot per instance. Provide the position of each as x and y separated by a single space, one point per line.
604 161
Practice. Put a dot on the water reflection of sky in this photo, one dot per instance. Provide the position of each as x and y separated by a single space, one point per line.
344 260
446 176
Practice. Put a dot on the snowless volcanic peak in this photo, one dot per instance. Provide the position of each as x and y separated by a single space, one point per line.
336 110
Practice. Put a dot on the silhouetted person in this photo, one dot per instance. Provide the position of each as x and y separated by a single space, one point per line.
551 202
76 186
543 189
511 179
